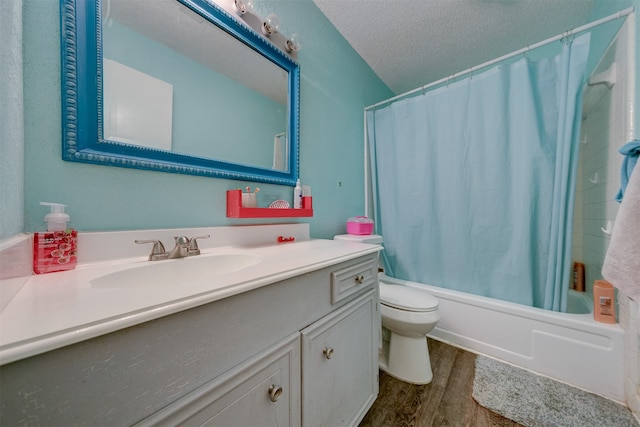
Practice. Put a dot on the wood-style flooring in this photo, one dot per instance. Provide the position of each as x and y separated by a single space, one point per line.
446 401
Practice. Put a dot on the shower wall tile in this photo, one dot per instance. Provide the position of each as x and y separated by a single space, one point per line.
596 210
595 239
597 156
597 193
606 127
576 246
595 250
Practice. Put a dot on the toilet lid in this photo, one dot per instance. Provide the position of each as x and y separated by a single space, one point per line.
407 298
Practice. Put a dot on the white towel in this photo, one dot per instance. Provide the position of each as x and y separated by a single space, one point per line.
622 263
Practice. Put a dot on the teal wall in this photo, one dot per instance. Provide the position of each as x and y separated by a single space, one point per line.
336 84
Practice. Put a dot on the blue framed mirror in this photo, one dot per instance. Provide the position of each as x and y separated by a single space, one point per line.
176 86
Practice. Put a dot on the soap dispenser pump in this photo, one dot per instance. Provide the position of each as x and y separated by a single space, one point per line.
56 220
55 249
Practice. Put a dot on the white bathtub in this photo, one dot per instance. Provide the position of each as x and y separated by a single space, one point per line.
571 348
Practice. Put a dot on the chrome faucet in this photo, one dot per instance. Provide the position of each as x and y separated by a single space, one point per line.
181 249
184 247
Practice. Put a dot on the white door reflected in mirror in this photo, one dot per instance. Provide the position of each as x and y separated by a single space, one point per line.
138 108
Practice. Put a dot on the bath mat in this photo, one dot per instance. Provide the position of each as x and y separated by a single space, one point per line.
536 401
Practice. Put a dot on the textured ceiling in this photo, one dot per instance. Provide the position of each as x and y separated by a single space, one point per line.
409 43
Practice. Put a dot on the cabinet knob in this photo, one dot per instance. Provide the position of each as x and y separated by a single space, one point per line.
360 279
328 352
275 391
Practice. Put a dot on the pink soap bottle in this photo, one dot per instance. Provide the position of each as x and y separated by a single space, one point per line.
55 249
604 309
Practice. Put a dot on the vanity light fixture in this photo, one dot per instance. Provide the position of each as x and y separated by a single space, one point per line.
271 25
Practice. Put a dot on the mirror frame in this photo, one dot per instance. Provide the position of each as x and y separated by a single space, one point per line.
82 122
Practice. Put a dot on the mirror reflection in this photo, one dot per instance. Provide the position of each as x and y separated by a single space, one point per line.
173 81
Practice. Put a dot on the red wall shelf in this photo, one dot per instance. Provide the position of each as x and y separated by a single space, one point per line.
235 209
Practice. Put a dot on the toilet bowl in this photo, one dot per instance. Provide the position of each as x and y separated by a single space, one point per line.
408 314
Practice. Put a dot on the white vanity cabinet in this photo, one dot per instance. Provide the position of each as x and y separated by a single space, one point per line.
256 358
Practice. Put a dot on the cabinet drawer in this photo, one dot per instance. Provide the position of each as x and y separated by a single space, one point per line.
353 279
263 391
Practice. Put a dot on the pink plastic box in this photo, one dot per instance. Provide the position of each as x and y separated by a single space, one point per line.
360 225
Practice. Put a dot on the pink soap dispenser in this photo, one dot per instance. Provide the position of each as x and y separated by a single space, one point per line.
55 249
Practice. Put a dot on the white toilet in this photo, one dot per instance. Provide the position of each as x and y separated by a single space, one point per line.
408 314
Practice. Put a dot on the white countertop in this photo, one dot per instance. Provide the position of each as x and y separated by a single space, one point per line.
58 309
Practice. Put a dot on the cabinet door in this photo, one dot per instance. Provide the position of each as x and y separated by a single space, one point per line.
263 391
340 365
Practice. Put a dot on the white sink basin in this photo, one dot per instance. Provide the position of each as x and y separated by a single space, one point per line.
177 272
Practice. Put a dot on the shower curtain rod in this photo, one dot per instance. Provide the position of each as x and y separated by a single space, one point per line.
569 33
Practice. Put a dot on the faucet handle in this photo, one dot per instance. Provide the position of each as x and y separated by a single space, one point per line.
157 251
193 244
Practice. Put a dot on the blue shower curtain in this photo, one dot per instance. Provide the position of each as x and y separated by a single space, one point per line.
474 182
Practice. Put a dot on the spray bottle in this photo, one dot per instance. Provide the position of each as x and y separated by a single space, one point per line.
55 249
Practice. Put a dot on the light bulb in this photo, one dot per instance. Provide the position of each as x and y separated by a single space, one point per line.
293 44
240 7
271 25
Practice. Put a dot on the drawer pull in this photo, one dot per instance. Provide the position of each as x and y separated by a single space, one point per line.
275 391
360 279
328 352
